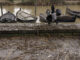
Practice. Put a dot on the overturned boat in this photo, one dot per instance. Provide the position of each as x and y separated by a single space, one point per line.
8 17
73 13
25 17
59 18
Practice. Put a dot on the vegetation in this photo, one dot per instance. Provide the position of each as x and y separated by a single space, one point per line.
39 2
11 0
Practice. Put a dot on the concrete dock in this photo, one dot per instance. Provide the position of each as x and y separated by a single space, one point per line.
38 27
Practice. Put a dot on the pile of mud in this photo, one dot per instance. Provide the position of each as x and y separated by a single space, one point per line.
40 48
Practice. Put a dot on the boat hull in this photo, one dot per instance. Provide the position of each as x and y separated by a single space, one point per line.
25 17
8 18
59 19
73 13
26 21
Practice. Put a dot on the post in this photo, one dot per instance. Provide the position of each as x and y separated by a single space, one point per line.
1 10
35 6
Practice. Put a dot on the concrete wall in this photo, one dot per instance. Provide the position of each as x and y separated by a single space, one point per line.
72 1
17 1
3 0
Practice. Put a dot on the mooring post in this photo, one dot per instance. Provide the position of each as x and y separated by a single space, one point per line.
1 9
35 6
66 9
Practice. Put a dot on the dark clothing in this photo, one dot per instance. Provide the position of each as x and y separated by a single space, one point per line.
52 8
58 12
49 19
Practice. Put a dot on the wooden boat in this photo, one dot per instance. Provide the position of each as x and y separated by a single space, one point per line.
25 17
8 17
73 13
59 18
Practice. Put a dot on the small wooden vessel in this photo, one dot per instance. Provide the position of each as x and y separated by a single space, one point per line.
25 17
8 17
59 18
73 13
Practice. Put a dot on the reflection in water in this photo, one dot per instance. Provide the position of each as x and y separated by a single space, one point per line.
14 9
40 9
17 9
4 11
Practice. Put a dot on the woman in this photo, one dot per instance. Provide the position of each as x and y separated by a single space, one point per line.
52 8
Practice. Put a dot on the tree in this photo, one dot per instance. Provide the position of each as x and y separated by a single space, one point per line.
56 1
11 0
22 1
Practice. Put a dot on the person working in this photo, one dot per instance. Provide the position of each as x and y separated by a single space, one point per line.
52 8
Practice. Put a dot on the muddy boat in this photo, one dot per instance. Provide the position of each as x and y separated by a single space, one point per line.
59 18
8 17
73 13
25 17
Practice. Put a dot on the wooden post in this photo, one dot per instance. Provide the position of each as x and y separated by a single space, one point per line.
35 6
1 10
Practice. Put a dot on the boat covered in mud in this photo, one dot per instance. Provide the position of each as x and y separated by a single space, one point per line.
8 17
73 13
25 17
59 18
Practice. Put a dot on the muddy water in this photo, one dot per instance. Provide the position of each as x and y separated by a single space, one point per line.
40 47
40 9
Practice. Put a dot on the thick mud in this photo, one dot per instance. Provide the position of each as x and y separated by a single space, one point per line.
40 47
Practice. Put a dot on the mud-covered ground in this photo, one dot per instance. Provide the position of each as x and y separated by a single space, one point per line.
35 47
